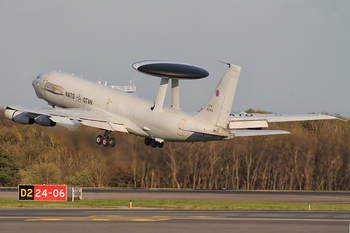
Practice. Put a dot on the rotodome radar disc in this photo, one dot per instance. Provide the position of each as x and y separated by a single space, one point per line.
170 69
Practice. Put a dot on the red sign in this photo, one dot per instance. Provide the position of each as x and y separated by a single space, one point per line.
43 192
50 192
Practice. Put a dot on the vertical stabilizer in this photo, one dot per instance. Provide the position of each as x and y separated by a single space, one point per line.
218 108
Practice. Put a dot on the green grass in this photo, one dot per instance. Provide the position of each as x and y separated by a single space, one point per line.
176 204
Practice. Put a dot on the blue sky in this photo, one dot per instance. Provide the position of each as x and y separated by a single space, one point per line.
295 55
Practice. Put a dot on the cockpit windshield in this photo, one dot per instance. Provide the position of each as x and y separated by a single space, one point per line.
53 88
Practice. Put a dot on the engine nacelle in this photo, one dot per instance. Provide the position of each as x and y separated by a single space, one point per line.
19 117
44 121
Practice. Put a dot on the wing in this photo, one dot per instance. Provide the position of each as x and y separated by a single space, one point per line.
254 120
87 116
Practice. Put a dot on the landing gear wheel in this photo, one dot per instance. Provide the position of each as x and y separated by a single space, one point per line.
112 142
105 141
154 143
99 139
148 141
160 145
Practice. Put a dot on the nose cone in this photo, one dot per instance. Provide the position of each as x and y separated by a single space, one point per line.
34 83
36 86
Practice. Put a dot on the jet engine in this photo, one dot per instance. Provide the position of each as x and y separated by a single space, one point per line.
19 117
44 121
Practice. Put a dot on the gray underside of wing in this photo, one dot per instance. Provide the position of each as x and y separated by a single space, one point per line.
87 116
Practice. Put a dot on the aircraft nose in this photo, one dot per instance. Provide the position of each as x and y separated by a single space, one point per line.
35 82
36 86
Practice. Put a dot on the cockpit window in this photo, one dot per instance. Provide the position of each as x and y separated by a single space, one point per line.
58 90
38 77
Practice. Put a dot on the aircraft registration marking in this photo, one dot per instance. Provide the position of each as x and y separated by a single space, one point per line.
85 100
210 108
70 95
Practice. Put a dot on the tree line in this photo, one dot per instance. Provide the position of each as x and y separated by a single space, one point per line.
314 157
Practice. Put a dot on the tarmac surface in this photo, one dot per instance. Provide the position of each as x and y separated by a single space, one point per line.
31 220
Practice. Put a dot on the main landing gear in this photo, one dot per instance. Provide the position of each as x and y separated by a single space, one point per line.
153 143
105 140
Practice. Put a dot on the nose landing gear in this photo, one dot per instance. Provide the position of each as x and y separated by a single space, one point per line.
153 143
105 140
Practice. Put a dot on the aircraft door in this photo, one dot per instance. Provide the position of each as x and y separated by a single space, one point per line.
180 127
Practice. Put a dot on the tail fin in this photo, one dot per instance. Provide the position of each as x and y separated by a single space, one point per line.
218 108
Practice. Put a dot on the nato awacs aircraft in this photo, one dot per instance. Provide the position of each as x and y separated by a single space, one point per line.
102 107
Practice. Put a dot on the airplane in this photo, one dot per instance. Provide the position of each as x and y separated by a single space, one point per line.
82 101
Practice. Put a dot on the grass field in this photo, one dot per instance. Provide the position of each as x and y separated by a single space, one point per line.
176 204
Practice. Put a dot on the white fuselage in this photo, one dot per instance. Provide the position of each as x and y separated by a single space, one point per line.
69 91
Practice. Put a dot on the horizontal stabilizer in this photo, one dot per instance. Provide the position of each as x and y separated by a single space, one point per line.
236 117
245 133
247 124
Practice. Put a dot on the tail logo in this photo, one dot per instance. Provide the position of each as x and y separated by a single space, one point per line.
217 93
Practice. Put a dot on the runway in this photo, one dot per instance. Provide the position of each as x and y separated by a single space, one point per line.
159 220
155 220
156 194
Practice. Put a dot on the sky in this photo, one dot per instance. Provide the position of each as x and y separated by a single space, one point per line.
295 55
